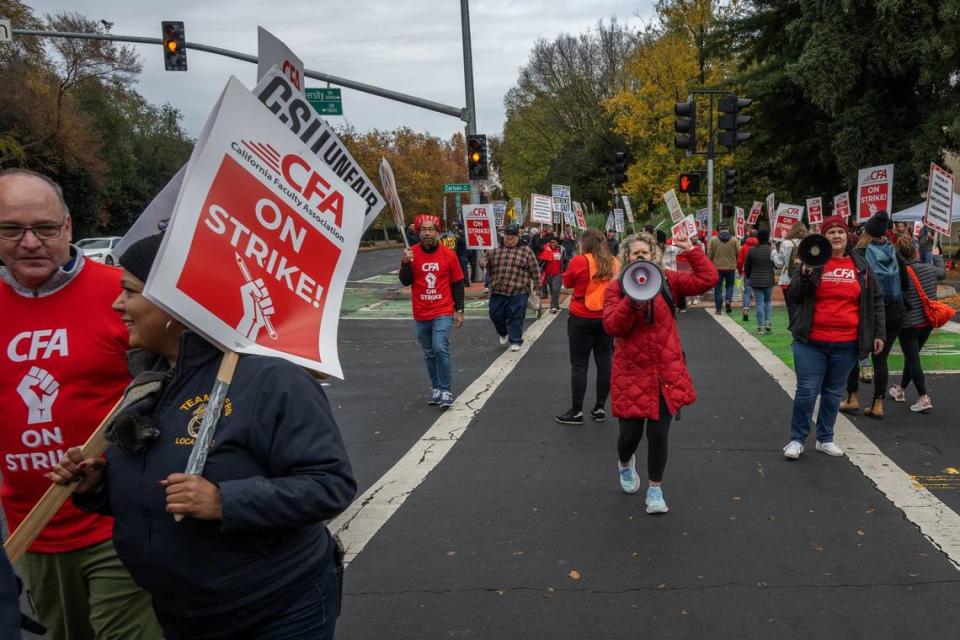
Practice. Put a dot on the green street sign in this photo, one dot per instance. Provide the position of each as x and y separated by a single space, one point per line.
326 101
457 187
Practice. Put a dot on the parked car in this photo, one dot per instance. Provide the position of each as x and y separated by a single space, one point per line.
99 249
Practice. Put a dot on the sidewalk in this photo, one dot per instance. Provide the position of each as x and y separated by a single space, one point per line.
523 531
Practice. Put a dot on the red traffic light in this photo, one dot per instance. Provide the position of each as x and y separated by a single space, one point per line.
689 183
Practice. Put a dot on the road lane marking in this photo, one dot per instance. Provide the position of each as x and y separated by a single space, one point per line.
937 522
360 522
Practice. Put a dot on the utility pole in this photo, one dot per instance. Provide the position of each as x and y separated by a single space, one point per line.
470 111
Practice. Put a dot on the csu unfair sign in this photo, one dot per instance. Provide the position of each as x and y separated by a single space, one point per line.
480 223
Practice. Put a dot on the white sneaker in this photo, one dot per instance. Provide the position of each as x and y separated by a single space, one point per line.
514 347
504 340
629 480
829 448
896 392
923 405
793 449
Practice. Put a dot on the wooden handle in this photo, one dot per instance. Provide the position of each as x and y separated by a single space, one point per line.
51 501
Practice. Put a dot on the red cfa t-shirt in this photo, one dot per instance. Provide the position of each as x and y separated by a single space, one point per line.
64 367
553 259
836 312
433 273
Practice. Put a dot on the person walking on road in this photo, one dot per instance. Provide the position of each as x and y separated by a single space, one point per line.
588 275
252 557
551 261
722 251
881 257
436 284
749 243
512 268
916 328
758 268
650 381
838 318
65 367
785 256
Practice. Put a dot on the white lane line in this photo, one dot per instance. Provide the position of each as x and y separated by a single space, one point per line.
936 521
951 326
360 522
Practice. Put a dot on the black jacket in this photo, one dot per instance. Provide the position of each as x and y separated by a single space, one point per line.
758 267
802 294
282 470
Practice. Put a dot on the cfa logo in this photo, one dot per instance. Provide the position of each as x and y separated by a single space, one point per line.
430 266
312 186
43 344
841 274
292 73
879 174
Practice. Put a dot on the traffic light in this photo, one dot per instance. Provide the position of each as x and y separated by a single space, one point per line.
729 185
174 46
685 126
477 157
619 168
730 120
726 211
689 183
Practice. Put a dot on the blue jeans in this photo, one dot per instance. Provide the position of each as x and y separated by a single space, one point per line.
507 313
434 338
727 278
764 298
746 293
822 369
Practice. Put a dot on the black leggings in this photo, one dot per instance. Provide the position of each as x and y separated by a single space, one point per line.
912 340
631 432
881 371
586 335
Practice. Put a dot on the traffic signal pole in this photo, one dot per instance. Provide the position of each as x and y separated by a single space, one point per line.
470 112
710 187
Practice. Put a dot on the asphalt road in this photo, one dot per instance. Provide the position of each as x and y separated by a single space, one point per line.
375 263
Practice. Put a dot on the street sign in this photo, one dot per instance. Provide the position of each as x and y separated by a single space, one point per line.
6 34
456 187
326 101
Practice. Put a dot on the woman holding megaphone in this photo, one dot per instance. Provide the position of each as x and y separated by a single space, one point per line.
838 318
650 382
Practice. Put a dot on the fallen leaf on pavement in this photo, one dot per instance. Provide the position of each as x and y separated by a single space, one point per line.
574 574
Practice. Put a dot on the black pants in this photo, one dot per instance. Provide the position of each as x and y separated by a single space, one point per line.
881 370
631 432
586 335
912 340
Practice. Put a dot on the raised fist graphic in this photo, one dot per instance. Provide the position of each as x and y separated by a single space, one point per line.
39 390
257 309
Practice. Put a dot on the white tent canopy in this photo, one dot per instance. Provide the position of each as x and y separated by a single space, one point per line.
915 213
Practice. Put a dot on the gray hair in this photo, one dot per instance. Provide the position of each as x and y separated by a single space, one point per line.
57 190
656 254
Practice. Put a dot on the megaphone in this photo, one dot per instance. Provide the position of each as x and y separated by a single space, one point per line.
814 250
641 281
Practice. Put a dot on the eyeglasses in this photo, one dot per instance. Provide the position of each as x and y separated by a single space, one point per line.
43 231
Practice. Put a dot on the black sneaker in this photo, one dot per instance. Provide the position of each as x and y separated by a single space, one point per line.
729 309
571 417
746 316
598 414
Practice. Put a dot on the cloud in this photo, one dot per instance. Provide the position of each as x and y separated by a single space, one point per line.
409 46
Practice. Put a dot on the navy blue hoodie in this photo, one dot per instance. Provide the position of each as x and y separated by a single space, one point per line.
282 470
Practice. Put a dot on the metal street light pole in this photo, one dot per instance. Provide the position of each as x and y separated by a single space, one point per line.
470 112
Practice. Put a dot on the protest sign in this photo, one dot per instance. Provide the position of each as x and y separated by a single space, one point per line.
741 223
814 210
770 211
272 52
841 205
479 221
687 226
786 216
618 220
917 228
754 212
703 215
389 184
673 206
627 208
261 240
874 191
561 199
939 211
499 211
611 222
699 226
292 110
541 208
518 211
156 216
578 214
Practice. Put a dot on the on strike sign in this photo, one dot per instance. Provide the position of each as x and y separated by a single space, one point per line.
874 191
261 240
841 205
787 215
480 223
815 210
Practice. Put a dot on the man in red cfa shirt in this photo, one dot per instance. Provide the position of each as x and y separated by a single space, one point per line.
64 367
433 273
551 261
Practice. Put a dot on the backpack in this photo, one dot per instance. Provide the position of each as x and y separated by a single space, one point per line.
888 279
593 297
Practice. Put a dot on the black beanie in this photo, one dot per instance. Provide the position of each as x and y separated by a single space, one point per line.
876 225
763 236
139 257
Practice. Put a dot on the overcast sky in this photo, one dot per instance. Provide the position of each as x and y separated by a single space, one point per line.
411 46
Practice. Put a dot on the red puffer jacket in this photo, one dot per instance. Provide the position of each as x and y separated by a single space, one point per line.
648 358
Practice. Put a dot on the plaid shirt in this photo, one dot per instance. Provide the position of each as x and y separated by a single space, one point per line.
511 270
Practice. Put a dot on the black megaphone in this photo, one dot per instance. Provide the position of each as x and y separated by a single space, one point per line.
641 281
814 250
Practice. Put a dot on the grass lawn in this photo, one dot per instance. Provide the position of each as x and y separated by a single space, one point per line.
942 352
